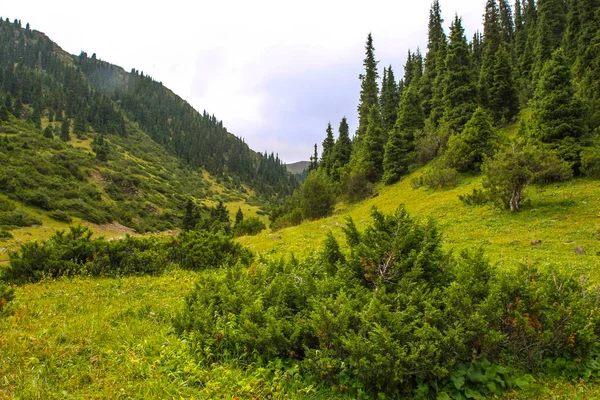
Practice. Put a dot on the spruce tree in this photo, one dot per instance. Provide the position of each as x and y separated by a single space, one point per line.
191 217
327 154
3 114
371 150
460 91
80 126
314 160
507 25
64 130
369 88
557 112
342 150
239 216
491 42
400 144
437 101
436 37
552 23
49 132
503 96
526 57
389 100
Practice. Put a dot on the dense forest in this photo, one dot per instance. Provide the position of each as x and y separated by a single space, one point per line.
38 80
536 62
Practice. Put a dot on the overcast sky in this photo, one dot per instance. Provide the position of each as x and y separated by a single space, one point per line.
275 72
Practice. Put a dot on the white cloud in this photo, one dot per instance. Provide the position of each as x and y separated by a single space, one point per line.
223 56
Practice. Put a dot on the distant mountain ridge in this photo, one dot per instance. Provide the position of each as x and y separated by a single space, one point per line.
297 167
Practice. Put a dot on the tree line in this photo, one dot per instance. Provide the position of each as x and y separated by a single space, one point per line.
537 62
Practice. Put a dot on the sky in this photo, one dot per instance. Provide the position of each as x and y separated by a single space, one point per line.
274 71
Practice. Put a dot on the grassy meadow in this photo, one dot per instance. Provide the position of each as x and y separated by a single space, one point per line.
113 338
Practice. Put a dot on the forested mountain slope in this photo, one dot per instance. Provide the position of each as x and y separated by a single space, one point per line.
83 138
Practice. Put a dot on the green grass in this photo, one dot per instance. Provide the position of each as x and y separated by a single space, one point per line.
563 216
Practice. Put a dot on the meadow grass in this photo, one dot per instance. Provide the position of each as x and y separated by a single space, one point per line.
563 216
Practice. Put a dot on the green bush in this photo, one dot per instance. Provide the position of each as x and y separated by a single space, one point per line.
60 216
251 226
590 162
395 316
476 198
18 218
437 178
317 196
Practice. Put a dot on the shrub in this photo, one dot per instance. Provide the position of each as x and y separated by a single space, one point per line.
437 178
317 197
393 316
18 218
590 162
60 216
476 198
250 226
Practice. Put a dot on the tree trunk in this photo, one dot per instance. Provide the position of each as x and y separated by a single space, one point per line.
515 198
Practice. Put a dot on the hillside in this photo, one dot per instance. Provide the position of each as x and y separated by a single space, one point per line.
297 167
83 139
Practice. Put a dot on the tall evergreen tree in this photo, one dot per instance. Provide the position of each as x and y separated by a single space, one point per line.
557 112
526 57
503 96
460 91
371 149
327 154
507 25
389 100
369 88
314 160
551 26
437 101
64 130
491 42
400 144
342 150
436 38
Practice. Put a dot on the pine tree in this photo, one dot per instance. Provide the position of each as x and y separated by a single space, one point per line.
460 90
389 100
191 216
80 126
557 112
436 37
327 154
371 150
437 101
239 216
49 132
64 130
503 97
507 25
369 88
342 150
314 160
3 114
552 23
400 144
526 57
491 42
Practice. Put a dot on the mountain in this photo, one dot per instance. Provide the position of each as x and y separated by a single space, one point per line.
297 167
80 137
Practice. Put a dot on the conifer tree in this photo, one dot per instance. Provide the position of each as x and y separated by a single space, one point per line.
557 112
64 130
436 37
437 101
3 114
79 127
327 154
191 216
49 132
507 25
552 23
400 144
491 42
503 97
314 160
526 57
239 216
369 88
389 100
342 150
371 149
460 91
